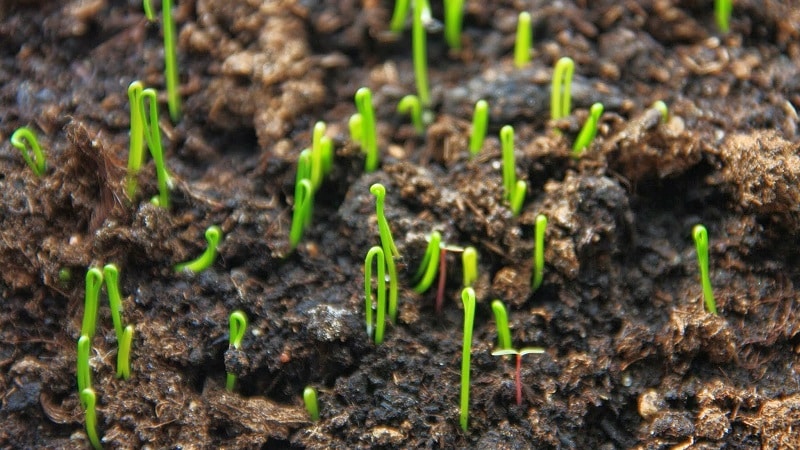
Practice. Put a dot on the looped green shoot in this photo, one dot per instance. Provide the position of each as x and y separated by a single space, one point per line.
238 326
21 139
136 147
369 133
375 254
389 249
411 105
94 281
213 237
480 122
89 403
430 263
538 251
83 372
152 134
124 334
303 210
588 132
501 321
700 235
561 88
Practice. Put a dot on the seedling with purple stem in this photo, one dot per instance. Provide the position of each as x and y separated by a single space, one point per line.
519 353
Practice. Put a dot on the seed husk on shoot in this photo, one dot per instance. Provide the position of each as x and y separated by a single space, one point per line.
722 14
453 19
519 353
368 136
538 251
430 263
700 235
375 254
561 89
480 122
501 321
152 135
588 132
89 402
83 372
170 56
469 262
238 326
411 105
94 281
213 237
514 190
136 147
310 400
419 50
522 45
468 298
23 138
389 249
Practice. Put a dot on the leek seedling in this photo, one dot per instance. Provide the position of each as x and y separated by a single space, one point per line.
375 253
661 107
389 249
399 15
368 135
468 298
94 281
469 261
700 235
21 139
310 399
480 122
501 320
519 353
561 89
170 58
152 135
588 132
522 46
538 251
124 335
83 373
411 105
430 262
89 403
420 57
453 18
204 261
135 150
238 325
514 190
722 14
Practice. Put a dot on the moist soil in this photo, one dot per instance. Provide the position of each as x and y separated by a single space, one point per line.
631 358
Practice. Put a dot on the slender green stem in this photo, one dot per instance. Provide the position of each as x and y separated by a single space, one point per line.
561 89
21 139
89 403
238 326
152 134
375 253
522 46
419 49
509 173
468 298
518 197
501 320
303 207
111 277
411 105
83 373
171 62
368 136
326 149
317 165
700 235
399 15
538 251
480 122
94 281
722 14
124 354
136 148
387 243
213 237
588 132
430 263
453 18
469 264
148 10
310 399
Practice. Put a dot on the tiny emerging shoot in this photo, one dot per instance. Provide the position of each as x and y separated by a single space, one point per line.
310 399
204 261
468 298
661 107
399 15
519 353
411 105
94 281
480 122
355 125
588 132
700 235
561 89
368 136
21 139
538 251
317 166
136 148
522 46
89 403
514 190
518 197
238 325
501 320
419 51
389 249
152 135
377 254
453 18
722 14
469 261
83 373
430 262
124 354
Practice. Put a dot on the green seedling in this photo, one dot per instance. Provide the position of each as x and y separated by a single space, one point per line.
368 135
124 353
501 320
588 132
152 134
411 105
89 403
94 281
204 261
661 107
65 275
468 298
442 279
303 208
83 373
136 147
430 262
21 139
389 249
170 58
469 262
310 399
561 89
355 125
700 235
514 190
538 251
519 353
124 334
480 122
722 14
453 18
375 254
238 325
419 51
399 15
522 46
518 197
321 155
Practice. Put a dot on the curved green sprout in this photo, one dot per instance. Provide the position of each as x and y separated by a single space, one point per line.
399 15
522 46
83 373
111 277
411 105
430 262
136 148
700 235
468 298
518 197
501 320
480 122
89 403
310 399
152 135
722 14
588 132
355 125
124 353
368 136
387 243
419 51
238 325
453 18
94 281
538 251
372 254
204 261
561 88
303 210
520 353
469 262
514 190
661 107
23 137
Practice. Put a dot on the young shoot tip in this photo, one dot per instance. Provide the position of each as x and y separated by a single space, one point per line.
23 138
310 400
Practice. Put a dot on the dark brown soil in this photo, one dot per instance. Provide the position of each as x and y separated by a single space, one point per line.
632 360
